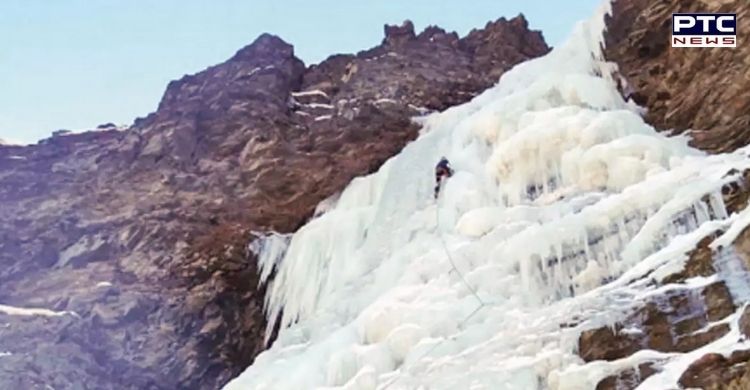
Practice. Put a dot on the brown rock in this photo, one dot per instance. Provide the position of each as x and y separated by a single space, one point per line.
490 46
670 323
742 246
606 343
627 379
706 90
737 194
696 373
738 383
718 301
699 263
714 371
696 340
745 322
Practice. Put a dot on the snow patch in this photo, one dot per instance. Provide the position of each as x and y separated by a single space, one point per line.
28 312
319 105
314 92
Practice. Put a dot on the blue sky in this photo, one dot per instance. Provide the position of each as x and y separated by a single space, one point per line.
74 64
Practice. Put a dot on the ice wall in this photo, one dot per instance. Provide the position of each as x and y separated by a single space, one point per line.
563 198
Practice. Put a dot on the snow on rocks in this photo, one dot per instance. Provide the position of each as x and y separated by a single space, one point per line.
28 312
314 92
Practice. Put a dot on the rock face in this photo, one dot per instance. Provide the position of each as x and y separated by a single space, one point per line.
137 238
703 91
716 371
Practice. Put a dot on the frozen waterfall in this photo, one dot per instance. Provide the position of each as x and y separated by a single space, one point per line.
563 198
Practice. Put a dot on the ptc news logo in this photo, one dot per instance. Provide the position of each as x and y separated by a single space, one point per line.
704 30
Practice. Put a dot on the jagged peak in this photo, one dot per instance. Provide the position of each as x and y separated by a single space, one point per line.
266 45
435 33
515 30
395 35
519 21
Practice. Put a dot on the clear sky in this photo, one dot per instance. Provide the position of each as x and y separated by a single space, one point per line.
74 64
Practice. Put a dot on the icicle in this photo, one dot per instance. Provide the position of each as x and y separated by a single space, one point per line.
269 249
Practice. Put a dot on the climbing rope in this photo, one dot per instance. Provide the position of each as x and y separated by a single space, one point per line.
482 304
450 258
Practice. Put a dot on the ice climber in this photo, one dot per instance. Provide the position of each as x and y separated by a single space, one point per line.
443 171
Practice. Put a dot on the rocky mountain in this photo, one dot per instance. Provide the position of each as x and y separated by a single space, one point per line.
135 242
702 93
